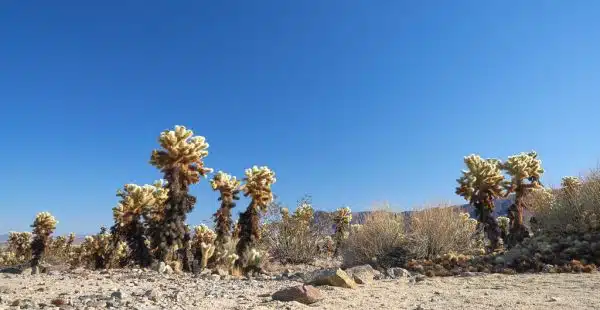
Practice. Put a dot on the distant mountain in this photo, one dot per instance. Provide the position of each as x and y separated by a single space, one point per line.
500 209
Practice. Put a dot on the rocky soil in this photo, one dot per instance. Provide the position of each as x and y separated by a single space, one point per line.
146 289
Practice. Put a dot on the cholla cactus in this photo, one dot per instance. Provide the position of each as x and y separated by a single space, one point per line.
254 259
229 188
43 226
235 234
203 244
285 213
57 247
354 228
8 258
137 201
181 159
20 244
101 251
258 181
327 246
481 184
521 167
570 184
341 218
304 212
504 224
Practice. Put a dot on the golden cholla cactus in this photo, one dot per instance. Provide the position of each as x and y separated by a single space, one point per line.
203 244
8 258
354 228
100 250
224 182
570 182
304 212
236 230
523 166
258 183
483 180
504 223
229 188
480 184
137 200
20 244
203 234
181 151
343 216
44 224
285 213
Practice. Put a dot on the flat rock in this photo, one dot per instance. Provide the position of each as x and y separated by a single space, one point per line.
305 294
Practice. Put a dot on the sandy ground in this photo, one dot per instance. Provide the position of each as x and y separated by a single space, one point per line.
137 289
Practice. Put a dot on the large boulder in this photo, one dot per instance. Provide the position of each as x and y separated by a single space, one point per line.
364 274
333 277
305 294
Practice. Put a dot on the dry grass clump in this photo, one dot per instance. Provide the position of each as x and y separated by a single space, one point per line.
572 208
442 229
379 241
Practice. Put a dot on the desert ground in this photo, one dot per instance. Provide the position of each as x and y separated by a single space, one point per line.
146 289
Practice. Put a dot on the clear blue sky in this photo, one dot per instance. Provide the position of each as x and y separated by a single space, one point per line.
353 102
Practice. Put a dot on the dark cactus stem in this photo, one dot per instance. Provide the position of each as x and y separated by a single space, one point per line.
223 221
517 230
249 233
490 225
339 233
133 234
38 246
174 231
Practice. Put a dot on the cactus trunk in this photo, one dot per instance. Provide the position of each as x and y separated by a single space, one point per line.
517 231
223 220
249 233
490 226
173 232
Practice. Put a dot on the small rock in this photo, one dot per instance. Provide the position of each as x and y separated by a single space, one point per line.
153 295
58 302
362 274
420 277
118 294
305 294
553 299
5 289
396 273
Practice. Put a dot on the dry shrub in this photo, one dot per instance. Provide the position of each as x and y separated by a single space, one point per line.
563 210
294 238
441 230
379 241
